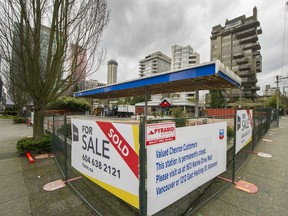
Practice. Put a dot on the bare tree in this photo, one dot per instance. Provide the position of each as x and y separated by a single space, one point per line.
48 46
19 97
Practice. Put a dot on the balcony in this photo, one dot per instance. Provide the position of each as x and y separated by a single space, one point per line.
253 88
251 39
247 25
259 68
242 61
238 55
192 62
249 80
253 46
245 73
192 57
256 53
154 70
244 67
258 59
246 33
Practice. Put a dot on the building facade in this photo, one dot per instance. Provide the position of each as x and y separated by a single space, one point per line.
183 57
237 46
90 84
79 62
112 71
271 91
155 63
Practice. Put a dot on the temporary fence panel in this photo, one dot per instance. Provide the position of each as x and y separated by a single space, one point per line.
107 154
244 126
100 196
177 166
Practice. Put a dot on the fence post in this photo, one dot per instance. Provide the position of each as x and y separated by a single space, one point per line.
234 153
253 130
278 117
142 172
53 133
65 147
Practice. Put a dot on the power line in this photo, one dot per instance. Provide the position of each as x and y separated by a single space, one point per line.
284 36
277 89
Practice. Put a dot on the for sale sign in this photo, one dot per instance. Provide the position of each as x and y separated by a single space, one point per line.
160 132
244 127
107 153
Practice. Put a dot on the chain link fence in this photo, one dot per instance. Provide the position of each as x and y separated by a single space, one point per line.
105 203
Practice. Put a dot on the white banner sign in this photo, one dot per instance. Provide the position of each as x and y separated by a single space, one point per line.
107 153
176 168
244 126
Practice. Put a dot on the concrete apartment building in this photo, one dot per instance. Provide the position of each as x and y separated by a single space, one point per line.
237 46
183 57
157 63
271 91
154 63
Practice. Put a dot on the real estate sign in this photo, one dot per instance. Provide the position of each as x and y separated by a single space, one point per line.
107 154
244 126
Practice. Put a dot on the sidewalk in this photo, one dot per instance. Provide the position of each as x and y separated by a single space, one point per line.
21 183
269 174
14 199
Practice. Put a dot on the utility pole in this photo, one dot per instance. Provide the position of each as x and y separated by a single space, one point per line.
277 89
285 100
277 92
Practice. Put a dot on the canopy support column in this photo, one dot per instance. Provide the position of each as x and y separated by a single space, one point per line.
197 104
146 102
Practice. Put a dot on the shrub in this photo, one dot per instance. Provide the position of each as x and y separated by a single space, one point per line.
28 144
69 103
10 112
177 112
18 120
230 132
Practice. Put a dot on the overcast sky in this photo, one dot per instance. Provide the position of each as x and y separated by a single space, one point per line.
138 28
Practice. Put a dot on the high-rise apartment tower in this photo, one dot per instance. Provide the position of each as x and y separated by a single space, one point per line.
112 71
155 63
183 57
237 46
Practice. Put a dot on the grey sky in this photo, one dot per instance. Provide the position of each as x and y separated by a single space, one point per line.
138 28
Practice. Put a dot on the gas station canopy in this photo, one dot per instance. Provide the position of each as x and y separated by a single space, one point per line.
208 76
